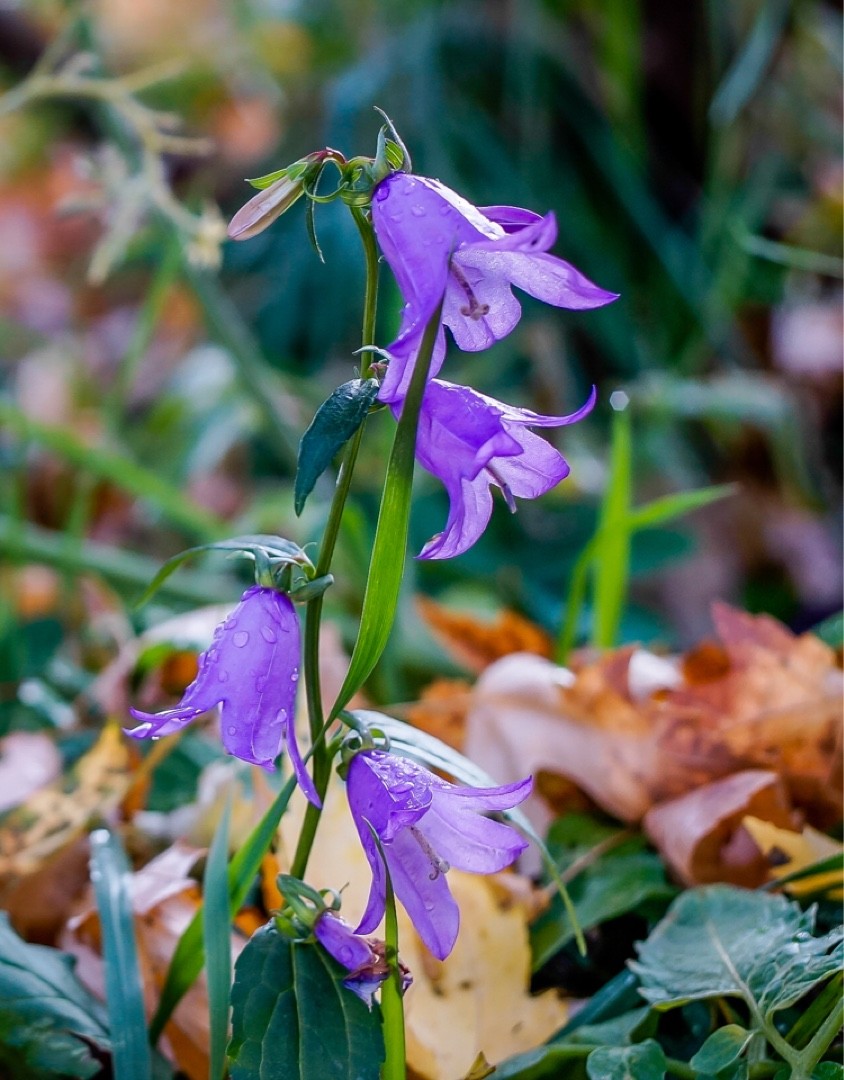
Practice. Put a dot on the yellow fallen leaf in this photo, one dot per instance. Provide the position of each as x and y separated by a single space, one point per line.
794 851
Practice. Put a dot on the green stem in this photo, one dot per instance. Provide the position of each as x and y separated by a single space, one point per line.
313 616
392 1005
823 1037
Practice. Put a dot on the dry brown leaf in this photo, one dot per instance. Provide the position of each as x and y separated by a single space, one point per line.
478 999
476 644
441 710
701 835
787 852
55 815
761 699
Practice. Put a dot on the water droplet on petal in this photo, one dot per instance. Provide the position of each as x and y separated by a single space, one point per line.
240 639
429 905
417 210
268 634
397 217
222 675
232 730
294 675
382 192
445 209
282 715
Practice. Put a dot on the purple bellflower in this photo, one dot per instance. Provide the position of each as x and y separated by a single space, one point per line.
364 959
470 441
251 670
425 826
438 245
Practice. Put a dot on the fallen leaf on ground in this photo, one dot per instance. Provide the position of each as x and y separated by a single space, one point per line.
28 761
786 852
760 698
701 835
475 643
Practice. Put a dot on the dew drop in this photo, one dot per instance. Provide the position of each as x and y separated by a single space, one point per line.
223 676
294 675
445 209
282 715
397 217
429 905
240 639
417 210
382 192
232 730
268 634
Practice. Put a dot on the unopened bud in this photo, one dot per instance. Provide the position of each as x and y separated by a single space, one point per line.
263 208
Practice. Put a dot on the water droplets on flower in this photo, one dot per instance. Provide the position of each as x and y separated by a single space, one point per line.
241 639
269 635
232 730
417 210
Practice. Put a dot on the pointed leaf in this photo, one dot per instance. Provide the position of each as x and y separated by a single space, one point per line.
721 1049
336 420
644 1061
293 1017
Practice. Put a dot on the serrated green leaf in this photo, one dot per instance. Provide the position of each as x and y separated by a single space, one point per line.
336 420
721 1049
644 1061
721 941
386 567
48 1020
110 875
292 1016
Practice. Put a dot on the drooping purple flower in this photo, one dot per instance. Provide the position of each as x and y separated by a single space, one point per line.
425 826
437 243
364 959
470 441
251 671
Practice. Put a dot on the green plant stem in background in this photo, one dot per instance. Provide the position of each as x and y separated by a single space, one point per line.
313 616
392 1005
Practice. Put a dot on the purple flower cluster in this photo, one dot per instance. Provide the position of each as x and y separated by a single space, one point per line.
439 246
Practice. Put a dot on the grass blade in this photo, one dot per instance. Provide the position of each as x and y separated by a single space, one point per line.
189 955
612 541
124 990
216 937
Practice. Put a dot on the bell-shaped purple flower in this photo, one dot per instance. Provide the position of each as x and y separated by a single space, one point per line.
470 441
251 670
364 959
440 246
425 826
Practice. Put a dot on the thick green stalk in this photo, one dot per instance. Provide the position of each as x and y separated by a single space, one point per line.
313 615
392 1005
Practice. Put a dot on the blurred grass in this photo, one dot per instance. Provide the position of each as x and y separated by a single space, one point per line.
690 155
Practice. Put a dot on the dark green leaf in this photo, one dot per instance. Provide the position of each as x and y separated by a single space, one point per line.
721 1049
545 1063
110 874
622 879
720 941
336 420
630 1027
619 996
47 1019
644 1061
828 1070
293 1017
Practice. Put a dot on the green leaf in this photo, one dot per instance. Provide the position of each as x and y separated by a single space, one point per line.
261 182
48 1020
721 1049
336 420
611 555
831 630
216 937
110 874
644 1061
623 878
630 1027
545 1063
721 941
293 1017
669 507
828 1070
189 954
273 549
386 566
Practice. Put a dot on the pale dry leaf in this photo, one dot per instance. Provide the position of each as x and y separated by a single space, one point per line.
476 643
701 835
28 761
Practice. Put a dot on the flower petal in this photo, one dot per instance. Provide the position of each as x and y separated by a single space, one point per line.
403 353
533 472
337 938
479 308
544 276
514 415
423 890
510 218
154 725
469 512
467 840
303 778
